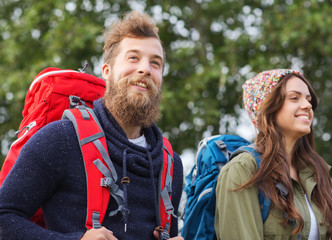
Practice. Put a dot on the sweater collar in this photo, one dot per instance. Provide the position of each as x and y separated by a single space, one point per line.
117 142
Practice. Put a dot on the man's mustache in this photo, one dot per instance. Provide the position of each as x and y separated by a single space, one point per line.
134 80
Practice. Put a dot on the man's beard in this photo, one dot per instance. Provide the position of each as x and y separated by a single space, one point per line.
132 107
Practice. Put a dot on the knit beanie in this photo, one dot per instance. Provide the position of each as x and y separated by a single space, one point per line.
256 89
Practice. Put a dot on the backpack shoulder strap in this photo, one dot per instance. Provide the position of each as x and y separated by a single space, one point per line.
100 172
264 202
165 190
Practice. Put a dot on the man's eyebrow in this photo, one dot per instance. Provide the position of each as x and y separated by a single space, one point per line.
158 56
133 50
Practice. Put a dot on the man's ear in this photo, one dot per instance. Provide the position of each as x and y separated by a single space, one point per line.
106 71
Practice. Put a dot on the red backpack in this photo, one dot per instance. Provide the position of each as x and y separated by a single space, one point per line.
56 94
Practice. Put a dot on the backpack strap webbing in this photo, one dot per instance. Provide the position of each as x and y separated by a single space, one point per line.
165 190
100 172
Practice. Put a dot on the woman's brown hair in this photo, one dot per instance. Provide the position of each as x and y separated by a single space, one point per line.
274 166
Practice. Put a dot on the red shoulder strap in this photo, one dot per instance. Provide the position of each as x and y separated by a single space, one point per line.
100 172
166 207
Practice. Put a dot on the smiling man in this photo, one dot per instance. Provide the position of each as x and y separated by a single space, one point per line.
50 168
134 81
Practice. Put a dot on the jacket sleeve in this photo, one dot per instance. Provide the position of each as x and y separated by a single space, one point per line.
238 213
29 185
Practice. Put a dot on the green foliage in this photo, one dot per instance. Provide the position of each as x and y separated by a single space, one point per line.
212 46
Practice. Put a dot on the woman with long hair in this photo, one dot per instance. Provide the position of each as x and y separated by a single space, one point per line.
281 104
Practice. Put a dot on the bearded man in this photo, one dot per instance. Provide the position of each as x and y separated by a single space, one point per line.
133 66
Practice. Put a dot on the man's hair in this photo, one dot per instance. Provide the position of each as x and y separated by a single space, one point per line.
133 25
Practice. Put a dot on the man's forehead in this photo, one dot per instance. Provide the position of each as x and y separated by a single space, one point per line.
147 45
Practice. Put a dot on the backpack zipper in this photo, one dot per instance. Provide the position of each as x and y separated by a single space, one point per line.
27 127
47 74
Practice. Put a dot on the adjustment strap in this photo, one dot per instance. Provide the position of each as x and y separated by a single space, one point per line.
95 220
110 182
106 158
84 112
168 180
166 231
168 204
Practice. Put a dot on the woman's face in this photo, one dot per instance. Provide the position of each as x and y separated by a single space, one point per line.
295 116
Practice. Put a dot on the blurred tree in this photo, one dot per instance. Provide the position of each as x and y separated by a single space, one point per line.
212 46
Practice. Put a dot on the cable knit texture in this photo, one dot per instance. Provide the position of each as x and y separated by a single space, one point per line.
50 173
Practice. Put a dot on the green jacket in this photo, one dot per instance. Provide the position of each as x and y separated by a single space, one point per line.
238 213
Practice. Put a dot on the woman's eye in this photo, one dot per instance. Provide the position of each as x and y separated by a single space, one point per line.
293 97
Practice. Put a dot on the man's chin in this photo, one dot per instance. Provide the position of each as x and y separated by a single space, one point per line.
139 99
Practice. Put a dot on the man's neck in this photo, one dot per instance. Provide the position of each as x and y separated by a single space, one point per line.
132 132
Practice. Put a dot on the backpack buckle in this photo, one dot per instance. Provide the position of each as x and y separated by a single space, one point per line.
282 190
170 211
169 189
74 101
107 182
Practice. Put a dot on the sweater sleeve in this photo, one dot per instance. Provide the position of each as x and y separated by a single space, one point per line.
238 213
34 178
177 192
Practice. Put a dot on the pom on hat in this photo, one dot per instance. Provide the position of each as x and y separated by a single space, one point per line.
256 89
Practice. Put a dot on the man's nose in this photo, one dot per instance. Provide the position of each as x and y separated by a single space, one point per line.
144 68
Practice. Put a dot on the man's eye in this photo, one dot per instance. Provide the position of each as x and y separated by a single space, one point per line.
156 63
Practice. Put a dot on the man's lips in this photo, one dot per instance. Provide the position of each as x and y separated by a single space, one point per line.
140 84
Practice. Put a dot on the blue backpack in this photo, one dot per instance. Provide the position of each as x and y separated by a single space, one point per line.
213 153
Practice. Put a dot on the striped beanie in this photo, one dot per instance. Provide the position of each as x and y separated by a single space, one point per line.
256 89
